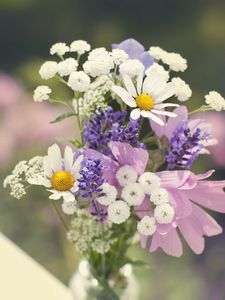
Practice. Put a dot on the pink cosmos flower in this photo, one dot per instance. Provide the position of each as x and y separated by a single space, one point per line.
186 192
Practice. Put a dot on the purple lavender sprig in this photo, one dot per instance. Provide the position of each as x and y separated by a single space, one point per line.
185 147
106 126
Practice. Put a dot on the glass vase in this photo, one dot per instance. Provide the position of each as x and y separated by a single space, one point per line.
122 286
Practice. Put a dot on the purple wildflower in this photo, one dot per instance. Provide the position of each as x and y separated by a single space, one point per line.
90 183
135 51
185 146
106 126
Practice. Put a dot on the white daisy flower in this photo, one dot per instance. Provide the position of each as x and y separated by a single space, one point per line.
133 194
159 196
69 207
80 47
60 175
126 175
164 213
48 70
119 56
147 97
41 93
59 49
67 66
118 212
149 182
110 194
147 226
215 101
131 67
79 81
183 91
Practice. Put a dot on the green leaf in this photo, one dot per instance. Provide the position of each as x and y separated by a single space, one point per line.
78 144
63 116
137 263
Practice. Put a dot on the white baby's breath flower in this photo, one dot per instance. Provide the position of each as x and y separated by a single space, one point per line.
118 212
159 196
183 91
147 97
119 56
133 194
79 81
59 49
80 47
97 52
215 101
126 175
157 52
157 69
164 213
110 194
100 65
67 66
175 61
149 182
70 207
48 70
131 67
41 93
147 226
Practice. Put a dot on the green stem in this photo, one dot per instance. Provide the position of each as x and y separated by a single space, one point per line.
59 215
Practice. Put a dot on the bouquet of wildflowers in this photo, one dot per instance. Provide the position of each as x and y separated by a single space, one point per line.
128 178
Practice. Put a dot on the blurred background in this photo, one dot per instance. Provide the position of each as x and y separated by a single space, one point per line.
194 28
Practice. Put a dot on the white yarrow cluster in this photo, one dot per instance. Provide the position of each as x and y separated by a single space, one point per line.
147 226
69 207
157 69
48 70
41 93
118 212
126 175
59 49
79 81
183 91
149 182
133 194
80 47
119 56
131 67
67 66
110 194
215 101
159 196
164 213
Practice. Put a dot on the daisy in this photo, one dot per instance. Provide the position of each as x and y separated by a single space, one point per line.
60 175
147 97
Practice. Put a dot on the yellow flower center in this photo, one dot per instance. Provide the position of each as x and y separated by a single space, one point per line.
62 181
145 102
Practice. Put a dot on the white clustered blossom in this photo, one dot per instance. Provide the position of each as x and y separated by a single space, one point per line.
79 81
159 196
118 212
20 175
86 232
110 193
157 69
164 213
41 93
80 47
69 208
149 182
94 97
157 52
48 70
97 52
133 194
174 60
67 66
99 65
59 49
131 67
126 175
147 226
183 91
119 56
215 101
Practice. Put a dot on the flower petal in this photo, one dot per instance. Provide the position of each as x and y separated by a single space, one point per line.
76 166
68 158
164 113
129 85
124 95
55 158
164 105
135 113
148 114
166 93
47 166
139 82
